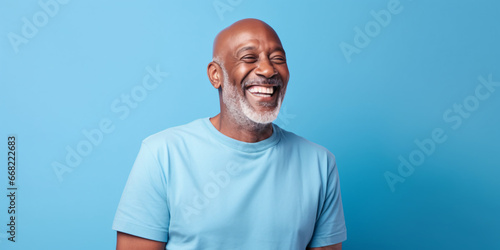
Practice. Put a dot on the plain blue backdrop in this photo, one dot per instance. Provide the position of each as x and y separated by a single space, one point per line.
370 81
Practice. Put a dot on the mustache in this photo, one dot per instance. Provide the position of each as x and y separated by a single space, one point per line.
263 81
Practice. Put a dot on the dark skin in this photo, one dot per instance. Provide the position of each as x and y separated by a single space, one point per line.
248 49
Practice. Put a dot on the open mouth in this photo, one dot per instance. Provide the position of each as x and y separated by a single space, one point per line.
263 91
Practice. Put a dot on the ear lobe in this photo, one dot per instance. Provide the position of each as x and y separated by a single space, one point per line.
214 73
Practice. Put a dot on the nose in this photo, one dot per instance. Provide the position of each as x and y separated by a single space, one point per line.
265 69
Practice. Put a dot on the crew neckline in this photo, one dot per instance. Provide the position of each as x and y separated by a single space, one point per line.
240 145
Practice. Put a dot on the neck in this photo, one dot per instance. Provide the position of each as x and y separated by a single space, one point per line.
246 132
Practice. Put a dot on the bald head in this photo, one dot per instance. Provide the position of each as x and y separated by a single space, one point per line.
250 71
229 38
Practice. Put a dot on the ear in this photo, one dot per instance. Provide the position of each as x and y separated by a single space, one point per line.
214 72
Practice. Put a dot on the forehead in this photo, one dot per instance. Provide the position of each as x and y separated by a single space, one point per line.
254 39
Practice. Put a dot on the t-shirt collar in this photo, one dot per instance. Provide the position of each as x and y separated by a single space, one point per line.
240 145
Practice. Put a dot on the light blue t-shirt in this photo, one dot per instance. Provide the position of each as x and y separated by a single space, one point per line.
195 188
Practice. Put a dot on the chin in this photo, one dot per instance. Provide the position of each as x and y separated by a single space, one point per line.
262 117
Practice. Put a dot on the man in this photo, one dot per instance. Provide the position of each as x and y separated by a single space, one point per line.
236 180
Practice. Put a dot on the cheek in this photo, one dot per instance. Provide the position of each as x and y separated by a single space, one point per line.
241 72
285 75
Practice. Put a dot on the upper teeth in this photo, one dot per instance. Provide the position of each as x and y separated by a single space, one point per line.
264 90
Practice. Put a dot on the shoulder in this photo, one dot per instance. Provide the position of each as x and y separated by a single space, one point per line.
174 135
303 145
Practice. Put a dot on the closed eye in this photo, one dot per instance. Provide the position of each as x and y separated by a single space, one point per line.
249 59
278 60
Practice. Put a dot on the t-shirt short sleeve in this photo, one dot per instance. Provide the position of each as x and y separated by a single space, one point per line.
330 227
143 209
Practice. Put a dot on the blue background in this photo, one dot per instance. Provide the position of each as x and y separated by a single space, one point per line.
368 111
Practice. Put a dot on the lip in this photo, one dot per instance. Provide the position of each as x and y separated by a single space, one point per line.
264 98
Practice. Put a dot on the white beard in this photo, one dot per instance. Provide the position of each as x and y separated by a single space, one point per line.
241 111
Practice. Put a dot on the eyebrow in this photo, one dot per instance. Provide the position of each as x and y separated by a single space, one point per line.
279 49
246 48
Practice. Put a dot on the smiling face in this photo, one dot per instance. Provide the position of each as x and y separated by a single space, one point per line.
254 71
241 109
